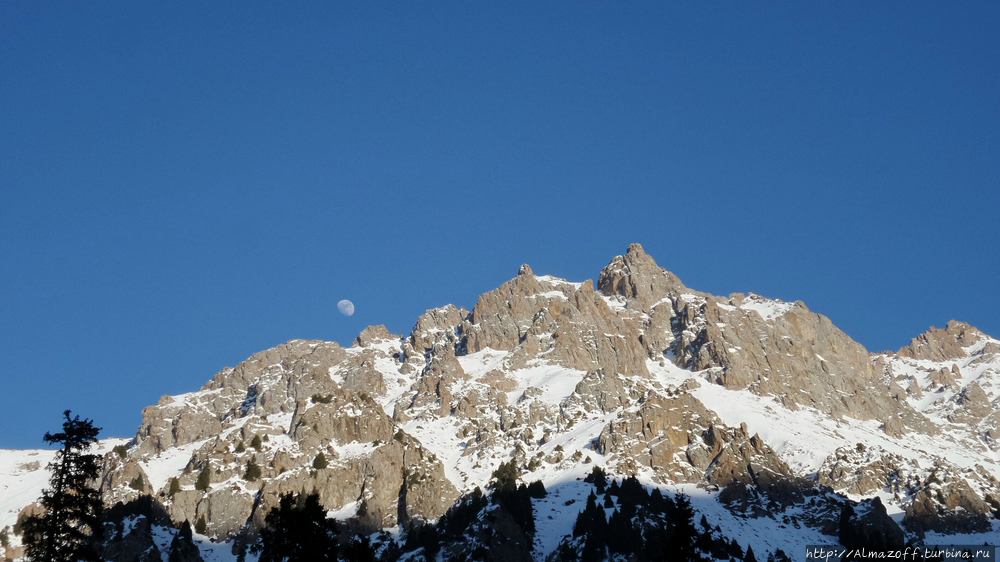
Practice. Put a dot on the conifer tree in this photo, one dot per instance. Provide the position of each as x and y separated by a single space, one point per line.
204 479
252 473
182 547
137 483
505 477
175 486
294 533
319 463
537 490
72 507
682 543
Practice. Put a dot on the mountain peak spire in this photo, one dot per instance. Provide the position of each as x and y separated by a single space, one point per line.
636 275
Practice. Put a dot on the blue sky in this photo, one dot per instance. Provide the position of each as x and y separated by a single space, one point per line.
184 185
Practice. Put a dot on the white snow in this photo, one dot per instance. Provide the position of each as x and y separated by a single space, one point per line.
555 382
168 464
768 309
21 485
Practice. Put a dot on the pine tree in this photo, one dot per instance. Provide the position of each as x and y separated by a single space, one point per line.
204 479
598 478
319 463
505 477
72 508
182 547
682 543
137 483
252 473
294 533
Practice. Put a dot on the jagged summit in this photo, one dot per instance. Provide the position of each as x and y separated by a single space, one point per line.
636 277
747 402
937 344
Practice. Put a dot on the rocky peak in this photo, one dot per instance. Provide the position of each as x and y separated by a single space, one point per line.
937 344
552 374
568 322
374 334
636 277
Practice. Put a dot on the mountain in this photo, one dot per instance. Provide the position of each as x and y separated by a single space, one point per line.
781 429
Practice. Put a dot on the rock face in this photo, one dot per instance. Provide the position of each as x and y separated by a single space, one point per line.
661 428
554 374
570 324
128 534
636 277
280 410
268 383
786 351
939 344
946 503
865 470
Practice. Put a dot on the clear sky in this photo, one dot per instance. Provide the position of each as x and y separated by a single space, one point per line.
184 184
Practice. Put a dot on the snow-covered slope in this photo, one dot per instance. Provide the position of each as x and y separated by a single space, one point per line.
748 405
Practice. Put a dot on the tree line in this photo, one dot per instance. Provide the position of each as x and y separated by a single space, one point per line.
642 525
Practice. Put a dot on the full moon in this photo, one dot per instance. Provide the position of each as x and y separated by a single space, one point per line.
345 307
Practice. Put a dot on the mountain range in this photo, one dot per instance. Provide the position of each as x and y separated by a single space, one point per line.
779 428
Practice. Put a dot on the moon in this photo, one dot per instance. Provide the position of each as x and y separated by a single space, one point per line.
345 307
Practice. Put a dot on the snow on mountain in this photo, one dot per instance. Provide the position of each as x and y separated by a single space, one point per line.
760 410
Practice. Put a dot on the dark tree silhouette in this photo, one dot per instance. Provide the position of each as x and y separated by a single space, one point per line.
72 508
183 547
598 478
682 543
537 490
298 533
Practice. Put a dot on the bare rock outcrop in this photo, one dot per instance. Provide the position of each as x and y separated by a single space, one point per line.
339 417
787 351
937 344
636 277
122 480
685 442
865 470
664 432
568 323
269 382
973 406
433 387
374 334
947 504
754 480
